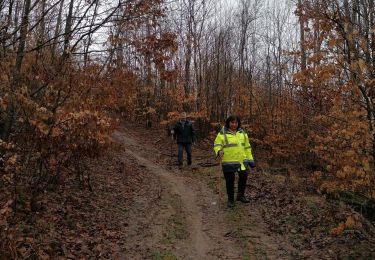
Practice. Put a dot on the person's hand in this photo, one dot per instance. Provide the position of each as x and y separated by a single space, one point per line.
172 132
220 154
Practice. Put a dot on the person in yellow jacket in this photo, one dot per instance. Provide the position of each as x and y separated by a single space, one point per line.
233 148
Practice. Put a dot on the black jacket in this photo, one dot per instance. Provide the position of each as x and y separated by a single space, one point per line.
184 132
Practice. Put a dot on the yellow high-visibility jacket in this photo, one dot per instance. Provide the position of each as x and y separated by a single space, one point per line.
237 150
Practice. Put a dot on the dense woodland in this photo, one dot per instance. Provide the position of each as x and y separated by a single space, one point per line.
300 73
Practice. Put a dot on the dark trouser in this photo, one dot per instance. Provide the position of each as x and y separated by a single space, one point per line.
229 181
181 147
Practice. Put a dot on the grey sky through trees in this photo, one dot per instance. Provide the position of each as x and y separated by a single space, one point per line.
226 13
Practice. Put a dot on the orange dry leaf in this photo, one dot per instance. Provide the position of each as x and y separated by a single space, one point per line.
350 222
12 160
338 230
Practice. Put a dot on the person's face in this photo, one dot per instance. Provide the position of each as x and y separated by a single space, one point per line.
233 125
183 116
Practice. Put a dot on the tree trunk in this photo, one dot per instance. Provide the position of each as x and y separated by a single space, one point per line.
302 38
6 28
57 30
68 30
17 70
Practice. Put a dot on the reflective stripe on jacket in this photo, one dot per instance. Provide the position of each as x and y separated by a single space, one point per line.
237 150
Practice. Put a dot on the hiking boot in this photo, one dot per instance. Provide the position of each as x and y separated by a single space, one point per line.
243 199
180 166
230 204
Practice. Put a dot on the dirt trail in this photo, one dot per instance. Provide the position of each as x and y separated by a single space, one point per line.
200 210
200 241
177 200
142 207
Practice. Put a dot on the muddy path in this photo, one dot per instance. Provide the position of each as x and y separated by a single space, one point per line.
178 216
133 203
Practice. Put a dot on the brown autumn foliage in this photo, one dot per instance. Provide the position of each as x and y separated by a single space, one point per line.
342 77
61 108
56 111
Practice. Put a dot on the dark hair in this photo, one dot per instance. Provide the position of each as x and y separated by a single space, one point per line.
233 118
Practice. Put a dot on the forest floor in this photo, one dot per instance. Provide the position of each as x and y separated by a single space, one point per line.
143 207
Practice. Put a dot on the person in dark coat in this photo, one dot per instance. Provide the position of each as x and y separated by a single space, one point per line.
183 133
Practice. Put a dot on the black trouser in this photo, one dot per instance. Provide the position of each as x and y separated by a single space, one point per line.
181 147
229 181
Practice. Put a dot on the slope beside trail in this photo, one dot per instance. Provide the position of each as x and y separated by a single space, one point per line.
176 215
133 203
